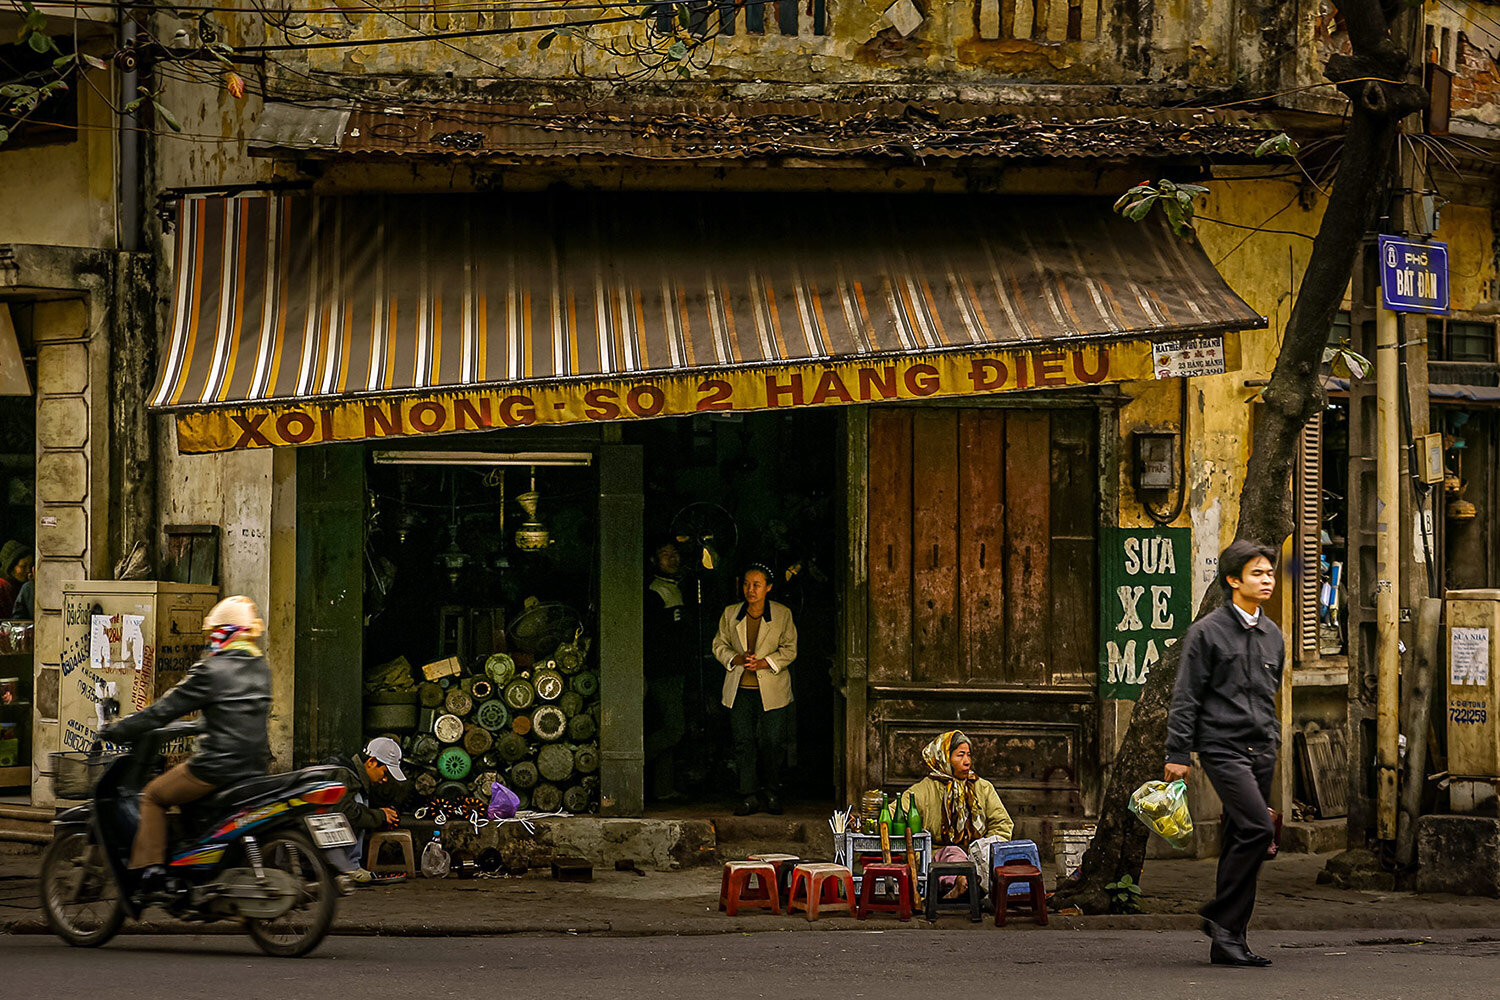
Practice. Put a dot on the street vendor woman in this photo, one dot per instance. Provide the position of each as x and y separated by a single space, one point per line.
962 810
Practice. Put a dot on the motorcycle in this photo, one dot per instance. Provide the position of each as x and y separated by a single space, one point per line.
255 851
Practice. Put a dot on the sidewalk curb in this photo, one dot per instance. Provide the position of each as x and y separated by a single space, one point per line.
765 925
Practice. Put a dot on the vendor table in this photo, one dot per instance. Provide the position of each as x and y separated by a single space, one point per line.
854 847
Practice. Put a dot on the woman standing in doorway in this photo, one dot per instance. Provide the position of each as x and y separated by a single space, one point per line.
756 643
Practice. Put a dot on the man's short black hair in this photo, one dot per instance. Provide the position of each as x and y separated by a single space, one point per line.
1241 551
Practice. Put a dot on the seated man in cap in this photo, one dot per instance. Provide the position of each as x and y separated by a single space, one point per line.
963 810
381 758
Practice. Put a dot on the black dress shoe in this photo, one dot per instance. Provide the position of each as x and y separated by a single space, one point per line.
773 805
748 806
1237 954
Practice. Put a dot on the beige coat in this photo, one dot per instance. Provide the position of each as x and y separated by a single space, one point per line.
776 644
994 821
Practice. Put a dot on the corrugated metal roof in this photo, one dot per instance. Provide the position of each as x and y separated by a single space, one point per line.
285 298
694 130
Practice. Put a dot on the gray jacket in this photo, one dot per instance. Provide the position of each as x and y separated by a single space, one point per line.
1225 699
232 689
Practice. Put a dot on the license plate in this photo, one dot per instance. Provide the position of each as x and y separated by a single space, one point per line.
330 830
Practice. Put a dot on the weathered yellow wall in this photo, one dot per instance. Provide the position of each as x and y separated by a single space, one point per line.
1469 233
63 194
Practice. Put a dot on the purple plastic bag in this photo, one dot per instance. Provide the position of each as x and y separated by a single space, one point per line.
503 802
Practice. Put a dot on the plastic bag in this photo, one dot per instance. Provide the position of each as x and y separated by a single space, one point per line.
503 802
1164 809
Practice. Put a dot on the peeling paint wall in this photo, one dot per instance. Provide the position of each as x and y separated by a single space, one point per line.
64 194
1073 41
251 496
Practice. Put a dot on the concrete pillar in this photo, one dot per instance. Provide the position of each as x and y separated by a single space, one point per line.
622 772
71 482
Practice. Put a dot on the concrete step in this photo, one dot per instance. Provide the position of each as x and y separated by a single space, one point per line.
32 814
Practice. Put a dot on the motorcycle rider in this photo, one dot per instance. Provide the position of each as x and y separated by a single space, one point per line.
231 686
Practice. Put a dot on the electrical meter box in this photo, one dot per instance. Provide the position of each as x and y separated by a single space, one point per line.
140 635
1473 699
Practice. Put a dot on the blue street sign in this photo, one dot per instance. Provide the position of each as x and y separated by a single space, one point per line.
1414 276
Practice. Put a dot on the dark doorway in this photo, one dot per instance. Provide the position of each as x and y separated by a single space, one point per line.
732 490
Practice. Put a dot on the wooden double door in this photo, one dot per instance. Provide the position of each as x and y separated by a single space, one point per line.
982 597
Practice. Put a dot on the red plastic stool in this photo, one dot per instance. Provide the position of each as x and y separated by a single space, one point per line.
736 890
902 905
783 863
812 880
1008 875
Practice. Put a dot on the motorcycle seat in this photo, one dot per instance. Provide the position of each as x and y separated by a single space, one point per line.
243 793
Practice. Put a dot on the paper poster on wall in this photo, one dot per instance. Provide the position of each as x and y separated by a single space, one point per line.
99 641
132 641
1469 656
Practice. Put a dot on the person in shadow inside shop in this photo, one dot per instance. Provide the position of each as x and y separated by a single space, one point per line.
669 658
1224 707
16 561
756 643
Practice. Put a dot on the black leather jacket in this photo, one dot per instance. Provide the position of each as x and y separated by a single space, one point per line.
1225 698
232 688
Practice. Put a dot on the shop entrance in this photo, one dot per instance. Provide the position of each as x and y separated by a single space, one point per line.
17 545
728 492
480 616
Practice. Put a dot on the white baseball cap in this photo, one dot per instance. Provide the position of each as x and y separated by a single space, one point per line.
388 752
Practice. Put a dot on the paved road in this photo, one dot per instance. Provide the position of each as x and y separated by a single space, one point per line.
1021 962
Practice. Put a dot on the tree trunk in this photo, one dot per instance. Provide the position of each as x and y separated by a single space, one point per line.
1293 395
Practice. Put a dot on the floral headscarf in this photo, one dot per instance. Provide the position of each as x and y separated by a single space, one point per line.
227 637
959 824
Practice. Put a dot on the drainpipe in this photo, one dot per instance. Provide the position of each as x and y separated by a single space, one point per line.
1388 464
130 141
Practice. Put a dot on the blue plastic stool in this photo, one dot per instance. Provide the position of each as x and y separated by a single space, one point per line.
1016 852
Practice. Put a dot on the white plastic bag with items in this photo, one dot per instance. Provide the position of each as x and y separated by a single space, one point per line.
1163 808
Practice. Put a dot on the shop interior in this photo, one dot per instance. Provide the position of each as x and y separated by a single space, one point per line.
481 603
17 545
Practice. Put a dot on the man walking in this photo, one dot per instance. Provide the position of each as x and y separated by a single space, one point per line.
1224 707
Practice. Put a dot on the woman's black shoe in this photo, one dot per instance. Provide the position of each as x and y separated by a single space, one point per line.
773 805
745 808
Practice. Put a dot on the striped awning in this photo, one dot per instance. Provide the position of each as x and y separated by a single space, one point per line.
297 301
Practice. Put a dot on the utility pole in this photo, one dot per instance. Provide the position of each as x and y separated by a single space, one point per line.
1388 455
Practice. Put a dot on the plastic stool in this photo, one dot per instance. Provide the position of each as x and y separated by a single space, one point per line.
935 902
812 879
402 839
1016 852
1029 875
873 873
783 863
735 889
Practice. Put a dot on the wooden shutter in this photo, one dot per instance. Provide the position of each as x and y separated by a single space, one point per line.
1309 504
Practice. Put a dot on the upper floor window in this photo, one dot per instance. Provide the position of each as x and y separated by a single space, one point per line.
747 17
55 119
1461 340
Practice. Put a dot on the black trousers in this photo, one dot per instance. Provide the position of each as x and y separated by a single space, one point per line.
1243 782
759 742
